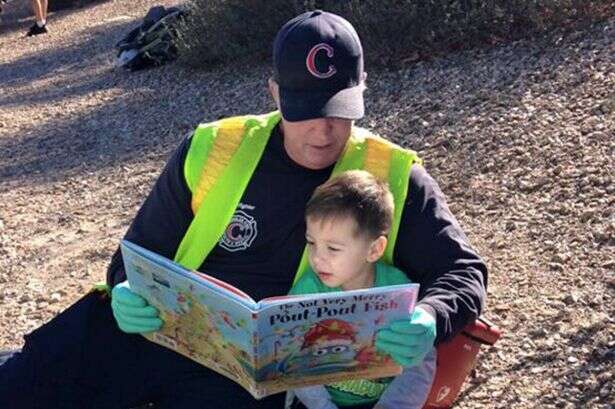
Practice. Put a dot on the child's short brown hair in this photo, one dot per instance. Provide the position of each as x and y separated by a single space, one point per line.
357 194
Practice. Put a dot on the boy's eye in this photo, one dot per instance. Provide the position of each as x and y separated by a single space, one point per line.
310 242
333 249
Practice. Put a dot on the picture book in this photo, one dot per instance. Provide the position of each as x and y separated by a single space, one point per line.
277 343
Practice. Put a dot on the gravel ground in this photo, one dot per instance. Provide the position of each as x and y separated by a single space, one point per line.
520 137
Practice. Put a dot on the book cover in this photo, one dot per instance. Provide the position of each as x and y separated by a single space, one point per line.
273 345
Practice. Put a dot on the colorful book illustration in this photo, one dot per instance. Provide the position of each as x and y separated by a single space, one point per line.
275 344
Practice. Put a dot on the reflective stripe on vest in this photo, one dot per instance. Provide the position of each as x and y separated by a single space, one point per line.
217 169
224 154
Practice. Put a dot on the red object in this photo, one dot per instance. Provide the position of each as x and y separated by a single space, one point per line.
455 361
329 330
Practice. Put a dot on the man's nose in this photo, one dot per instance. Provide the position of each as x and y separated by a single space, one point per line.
323 128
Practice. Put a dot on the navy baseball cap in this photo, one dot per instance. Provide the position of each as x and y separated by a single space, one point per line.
318 65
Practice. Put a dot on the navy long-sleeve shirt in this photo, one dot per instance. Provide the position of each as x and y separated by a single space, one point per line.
260 250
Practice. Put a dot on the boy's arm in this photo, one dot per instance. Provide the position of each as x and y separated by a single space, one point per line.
410 389
315 397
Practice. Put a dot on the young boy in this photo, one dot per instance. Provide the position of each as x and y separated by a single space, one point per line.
348 219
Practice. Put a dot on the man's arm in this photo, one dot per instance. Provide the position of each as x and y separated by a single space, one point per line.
164 217
433 250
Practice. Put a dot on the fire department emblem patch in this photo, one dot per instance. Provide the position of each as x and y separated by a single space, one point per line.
240 232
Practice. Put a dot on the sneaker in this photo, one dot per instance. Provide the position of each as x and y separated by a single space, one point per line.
36 30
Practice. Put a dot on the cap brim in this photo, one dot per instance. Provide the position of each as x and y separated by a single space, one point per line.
301 105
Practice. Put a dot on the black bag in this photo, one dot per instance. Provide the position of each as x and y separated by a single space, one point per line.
151 44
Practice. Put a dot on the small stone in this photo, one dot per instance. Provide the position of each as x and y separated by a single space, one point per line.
587 215
540 332
561 258
605 391
55 297
570 299
572 360
608 264
608 105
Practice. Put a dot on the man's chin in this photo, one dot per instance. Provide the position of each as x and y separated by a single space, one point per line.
317 166
319 163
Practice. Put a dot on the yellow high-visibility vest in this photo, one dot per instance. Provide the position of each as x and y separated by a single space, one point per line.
224 154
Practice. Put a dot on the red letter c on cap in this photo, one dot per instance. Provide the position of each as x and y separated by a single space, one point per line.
311 64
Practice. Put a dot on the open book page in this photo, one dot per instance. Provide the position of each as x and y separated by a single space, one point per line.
325 338
207 323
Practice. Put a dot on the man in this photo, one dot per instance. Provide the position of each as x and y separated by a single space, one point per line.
231 202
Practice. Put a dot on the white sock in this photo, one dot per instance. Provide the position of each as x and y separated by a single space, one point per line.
41 23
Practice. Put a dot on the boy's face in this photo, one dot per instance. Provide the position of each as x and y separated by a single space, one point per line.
339 255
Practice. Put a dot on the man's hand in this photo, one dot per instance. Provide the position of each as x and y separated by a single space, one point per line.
408 341
132 313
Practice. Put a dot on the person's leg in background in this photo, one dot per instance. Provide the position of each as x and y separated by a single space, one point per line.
40 12
43 7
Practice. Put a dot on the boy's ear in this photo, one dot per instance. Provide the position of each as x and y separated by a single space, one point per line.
376 250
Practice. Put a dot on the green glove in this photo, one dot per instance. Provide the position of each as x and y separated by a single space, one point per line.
132 312
408 341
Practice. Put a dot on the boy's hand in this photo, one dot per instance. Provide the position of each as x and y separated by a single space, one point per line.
132 313
408 341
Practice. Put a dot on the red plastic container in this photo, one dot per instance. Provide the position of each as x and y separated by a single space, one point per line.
455 361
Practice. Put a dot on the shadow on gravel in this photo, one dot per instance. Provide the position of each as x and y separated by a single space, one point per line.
144 121
99 116
89 133
83 57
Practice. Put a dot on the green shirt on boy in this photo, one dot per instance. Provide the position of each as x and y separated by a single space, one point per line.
362 391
